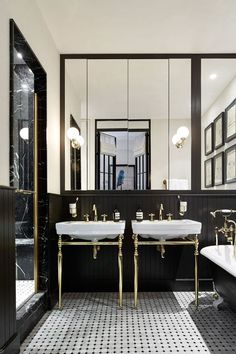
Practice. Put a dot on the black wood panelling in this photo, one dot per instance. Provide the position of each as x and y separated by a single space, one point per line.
82 273
7 266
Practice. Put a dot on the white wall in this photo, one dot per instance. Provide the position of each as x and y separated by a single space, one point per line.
29 20
226 97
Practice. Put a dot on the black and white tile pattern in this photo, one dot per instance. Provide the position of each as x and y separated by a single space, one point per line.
164 322
24 290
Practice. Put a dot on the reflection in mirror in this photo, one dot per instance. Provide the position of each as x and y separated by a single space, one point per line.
132 91
122 155
75 106
180 116
218 87
73 134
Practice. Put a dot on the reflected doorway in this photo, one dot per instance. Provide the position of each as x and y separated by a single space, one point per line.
122 159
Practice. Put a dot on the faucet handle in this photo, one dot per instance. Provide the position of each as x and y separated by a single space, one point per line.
169 216
151 216
104 217
86 217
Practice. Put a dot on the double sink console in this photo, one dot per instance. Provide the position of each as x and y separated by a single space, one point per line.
158 233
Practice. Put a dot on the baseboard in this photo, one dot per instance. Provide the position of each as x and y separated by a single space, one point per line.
29 315
12 346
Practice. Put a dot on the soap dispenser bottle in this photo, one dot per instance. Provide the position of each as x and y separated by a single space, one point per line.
139 214
116 215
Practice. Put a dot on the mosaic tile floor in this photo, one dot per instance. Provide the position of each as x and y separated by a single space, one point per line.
24 289
164 322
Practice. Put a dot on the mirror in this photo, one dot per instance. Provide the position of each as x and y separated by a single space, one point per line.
218 123
122 95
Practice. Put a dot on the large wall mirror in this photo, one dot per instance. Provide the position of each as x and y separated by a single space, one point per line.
218 123
134 117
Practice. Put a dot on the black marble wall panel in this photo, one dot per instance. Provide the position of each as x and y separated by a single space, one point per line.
82 273
7 270
37 83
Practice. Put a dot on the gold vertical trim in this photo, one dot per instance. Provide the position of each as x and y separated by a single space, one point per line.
120 266
59 267
36 285
135 238
196 253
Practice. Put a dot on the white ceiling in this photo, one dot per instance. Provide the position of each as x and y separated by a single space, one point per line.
144 26
148 26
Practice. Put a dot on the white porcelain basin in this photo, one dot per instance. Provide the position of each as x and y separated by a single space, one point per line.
165 230
91 230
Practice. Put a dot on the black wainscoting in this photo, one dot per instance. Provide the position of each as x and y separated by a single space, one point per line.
9 341
82 273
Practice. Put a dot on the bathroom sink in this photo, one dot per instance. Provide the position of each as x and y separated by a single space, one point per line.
91 230
165 230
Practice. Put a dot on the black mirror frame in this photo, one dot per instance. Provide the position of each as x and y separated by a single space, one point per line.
195 113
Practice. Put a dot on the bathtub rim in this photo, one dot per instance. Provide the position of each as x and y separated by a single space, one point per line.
211 252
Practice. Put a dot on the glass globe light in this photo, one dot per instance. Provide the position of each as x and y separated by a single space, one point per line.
175 139
183 132
73 133
24 133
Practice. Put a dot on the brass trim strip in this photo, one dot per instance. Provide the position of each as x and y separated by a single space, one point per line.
24 191
36 283
176 243
72 243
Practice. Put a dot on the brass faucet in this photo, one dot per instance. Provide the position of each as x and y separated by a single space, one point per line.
229 227
95 213
160 212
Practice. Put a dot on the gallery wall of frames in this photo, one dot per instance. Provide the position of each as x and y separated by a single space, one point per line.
219 163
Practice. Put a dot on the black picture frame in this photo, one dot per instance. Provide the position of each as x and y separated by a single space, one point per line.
208 172
218 131
208 135
218 168
230 121
230 164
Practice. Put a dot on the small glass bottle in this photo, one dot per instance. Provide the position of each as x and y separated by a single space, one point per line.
139 214
116 215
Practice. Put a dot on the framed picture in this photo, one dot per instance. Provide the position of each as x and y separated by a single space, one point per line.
218 136
230 121
208 164
125 177
230 164
209 139
218 165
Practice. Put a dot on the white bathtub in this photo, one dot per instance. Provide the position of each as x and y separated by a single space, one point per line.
223 256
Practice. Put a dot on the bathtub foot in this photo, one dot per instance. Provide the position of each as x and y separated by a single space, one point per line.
219 303
215 296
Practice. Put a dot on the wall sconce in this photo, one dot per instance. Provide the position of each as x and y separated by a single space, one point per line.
24 133
76 139
180 137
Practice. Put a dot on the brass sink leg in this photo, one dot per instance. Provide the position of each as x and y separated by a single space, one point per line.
95 251
135 238
120 266
59 259
196 253
161 249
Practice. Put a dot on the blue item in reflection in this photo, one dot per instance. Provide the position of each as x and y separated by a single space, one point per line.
120 179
